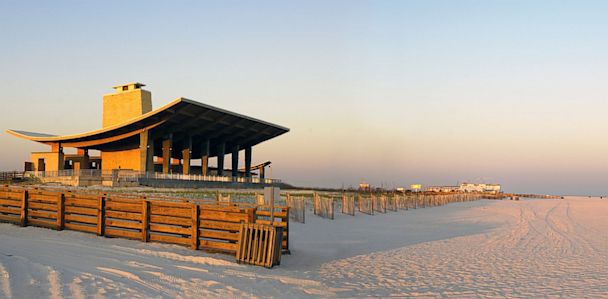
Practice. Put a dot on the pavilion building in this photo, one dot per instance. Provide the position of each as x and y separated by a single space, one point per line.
137 138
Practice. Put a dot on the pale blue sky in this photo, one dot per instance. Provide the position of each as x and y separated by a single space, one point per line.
390 92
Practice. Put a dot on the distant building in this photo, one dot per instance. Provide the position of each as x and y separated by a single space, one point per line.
467 187
442 189
416 187
484 188
364 187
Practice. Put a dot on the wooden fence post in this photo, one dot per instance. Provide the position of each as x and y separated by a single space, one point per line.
286 210
195 232
60 211
23 216
101 215
145 220
272 207
250 215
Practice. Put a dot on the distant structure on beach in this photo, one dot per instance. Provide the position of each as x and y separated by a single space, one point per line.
364 186
416 187
444 189
467 187
485 188
155 142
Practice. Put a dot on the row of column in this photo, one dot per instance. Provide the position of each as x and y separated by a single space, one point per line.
147 152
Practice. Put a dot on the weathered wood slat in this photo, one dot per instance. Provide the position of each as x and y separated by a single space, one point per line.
123 207
78 210
282 215
215 245
42 206
170 220
40 198
81 196
221 235
169 239
13 219
122 224
78 218
38 192
123 215
10 202
78 202
276 223
10 210
223 216
122 199
16 195
112 232
182 205
42 223
170 229
169 211
80 227
221 208
219 225
42 214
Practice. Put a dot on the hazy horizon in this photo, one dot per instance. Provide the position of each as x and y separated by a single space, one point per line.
388 92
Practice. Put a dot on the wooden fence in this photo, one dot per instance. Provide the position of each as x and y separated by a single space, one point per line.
210 226
297 208
323 206
379 203
348 205
366 205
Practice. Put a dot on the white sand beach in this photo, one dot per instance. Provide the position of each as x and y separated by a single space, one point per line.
516 249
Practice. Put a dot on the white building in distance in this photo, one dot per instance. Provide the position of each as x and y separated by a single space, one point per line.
484 188
467 187
443 189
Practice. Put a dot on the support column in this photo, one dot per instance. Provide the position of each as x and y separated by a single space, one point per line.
221 151
85 158
262 174
248 162
167 148
186 151
205 157
57 148
235 161
146 152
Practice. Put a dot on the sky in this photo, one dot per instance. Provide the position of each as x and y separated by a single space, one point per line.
387 92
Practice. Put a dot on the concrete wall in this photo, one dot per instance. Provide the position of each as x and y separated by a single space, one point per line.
128 159
52 161
75 181
124 105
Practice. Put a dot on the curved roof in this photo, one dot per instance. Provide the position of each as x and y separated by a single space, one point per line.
181 117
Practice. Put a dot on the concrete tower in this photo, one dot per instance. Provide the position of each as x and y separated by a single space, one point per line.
129 101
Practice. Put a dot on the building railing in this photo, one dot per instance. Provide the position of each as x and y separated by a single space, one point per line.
130 175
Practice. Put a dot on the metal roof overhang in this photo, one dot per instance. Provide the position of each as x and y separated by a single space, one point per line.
185 120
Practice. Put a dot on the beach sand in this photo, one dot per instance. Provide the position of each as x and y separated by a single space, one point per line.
517 249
